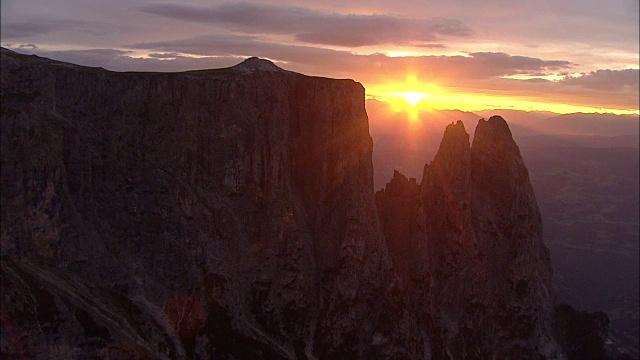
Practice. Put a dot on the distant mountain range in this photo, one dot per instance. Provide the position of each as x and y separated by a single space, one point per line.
401 142
584 170
531 123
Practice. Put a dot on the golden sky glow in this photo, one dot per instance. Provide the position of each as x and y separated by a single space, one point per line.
414 96
561 56
475 102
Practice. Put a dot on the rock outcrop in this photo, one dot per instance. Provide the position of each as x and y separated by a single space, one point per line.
582 335
471 234
241 196
230 214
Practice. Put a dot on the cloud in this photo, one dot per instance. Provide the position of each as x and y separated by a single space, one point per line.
28 46
301 58
610 80
315 26
219 44
379 66
431 46
36 27
27 29
164 55
475 66
519 64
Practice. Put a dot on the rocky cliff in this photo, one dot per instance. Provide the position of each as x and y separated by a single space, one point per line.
469 236
230 214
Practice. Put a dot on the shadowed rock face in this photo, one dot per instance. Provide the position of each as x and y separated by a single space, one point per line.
229 214
489 275
243 194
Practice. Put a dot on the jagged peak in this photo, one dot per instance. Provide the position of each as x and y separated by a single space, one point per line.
398 175
495 130
455 139
456 131
255 63
496 125
400 185
458 125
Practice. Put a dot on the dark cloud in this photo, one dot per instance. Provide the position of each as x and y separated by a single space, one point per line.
520 65
607 80
314 26
27 29
475 66
221 44
28 46
36 27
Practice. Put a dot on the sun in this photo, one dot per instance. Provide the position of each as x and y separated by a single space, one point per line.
409 95
409 101
412 97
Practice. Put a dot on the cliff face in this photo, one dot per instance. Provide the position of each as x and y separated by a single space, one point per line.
244 193
230 214
481 251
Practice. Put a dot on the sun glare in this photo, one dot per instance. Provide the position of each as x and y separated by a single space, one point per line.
408 96
412 97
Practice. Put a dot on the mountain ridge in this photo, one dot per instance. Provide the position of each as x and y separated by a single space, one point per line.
231 215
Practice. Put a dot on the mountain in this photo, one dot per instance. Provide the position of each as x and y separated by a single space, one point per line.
517 116
230 214
591 124
525 123
404 144
474 230
224 214
536 142
587 189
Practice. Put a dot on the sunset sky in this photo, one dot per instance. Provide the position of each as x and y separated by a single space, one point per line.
560 55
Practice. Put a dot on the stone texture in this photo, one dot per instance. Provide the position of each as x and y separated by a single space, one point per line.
229 214
245 192
488 279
